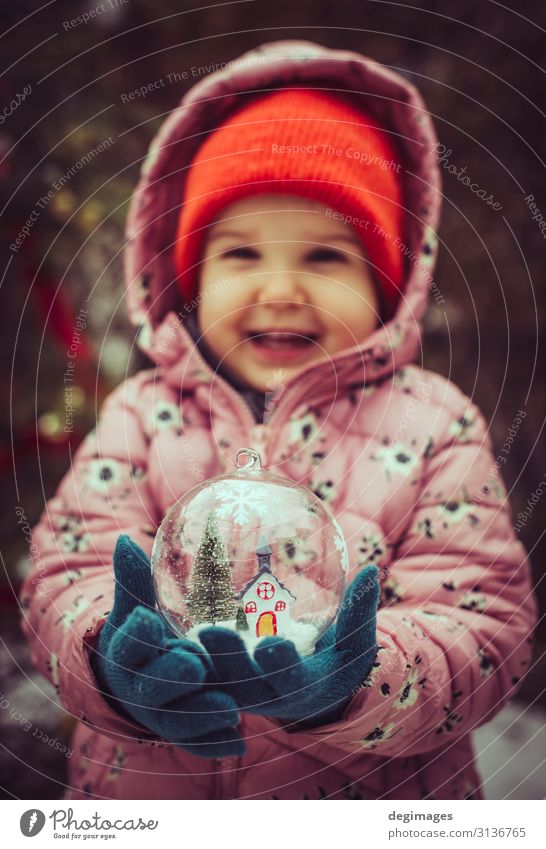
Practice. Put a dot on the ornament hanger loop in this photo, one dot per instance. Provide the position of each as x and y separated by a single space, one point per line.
253 461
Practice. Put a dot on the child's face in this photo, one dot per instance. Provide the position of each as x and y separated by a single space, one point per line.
281 263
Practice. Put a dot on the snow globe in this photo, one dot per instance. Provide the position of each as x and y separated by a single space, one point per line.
251 551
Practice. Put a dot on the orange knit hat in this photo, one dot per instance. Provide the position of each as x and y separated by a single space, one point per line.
300 142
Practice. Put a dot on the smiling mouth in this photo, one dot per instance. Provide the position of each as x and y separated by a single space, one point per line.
282 340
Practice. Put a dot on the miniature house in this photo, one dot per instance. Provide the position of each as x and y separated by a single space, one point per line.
264 600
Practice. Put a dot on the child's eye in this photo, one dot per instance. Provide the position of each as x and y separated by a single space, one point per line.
327 255
241 253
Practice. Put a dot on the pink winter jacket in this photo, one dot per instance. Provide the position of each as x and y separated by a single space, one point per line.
402 457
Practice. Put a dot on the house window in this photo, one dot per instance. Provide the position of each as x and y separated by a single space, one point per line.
265 590
250 607
281 605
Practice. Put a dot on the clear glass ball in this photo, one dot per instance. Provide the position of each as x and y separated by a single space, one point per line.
251 551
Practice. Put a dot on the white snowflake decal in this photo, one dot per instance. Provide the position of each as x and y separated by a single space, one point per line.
241 500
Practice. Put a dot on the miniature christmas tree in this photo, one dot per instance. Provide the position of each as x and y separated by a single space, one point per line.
211 594
241 622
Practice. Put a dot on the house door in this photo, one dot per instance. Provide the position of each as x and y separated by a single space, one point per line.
266 626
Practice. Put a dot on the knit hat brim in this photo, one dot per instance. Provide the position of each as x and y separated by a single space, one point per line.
302 142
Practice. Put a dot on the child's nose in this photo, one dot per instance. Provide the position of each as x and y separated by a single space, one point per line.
281 285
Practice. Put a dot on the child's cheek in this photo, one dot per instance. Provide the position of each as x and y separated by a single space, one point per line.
221 295
218 311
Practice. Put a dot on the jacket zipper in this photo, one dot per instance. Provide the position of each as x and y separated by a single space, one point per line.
262 434
226 777
257 432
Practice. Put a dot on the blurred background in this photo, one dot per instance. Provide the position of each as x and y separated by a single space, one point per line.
478 68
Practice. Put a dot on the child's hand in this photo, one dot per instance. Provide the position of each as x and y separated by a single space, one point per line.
156 677
313 690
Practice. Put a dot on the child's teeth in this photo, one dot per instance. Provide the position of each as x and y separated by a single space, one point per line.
282 340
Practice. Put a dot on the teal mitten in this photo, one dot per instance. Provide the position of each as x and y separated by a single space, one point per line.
152 676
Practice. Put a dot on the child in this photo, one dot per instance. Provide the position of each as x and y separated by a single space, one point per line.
280 305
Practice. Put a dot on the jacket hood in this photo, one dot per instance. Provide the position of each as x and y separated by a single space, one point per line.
154 301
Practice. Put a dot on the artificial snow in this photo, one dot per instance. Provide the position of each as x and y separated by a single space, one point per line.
304 635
